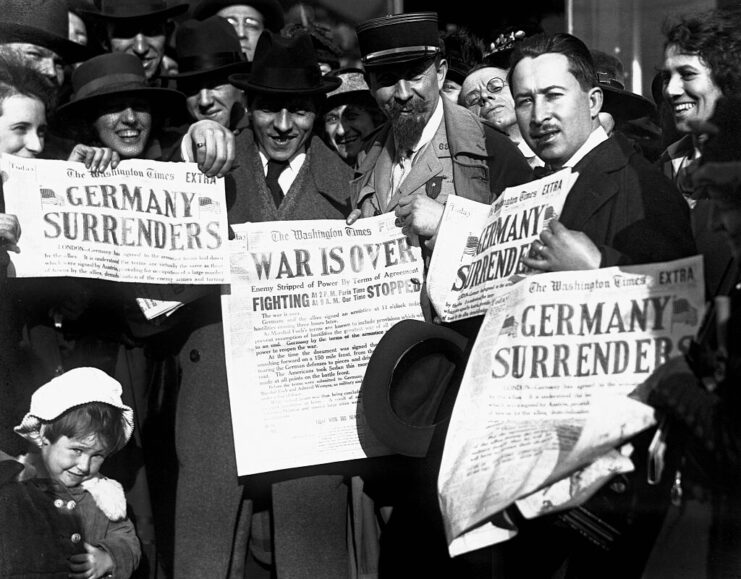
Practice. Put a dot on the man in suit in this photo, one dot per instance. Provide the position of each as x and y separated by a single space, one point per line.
429 148
620 210
284 172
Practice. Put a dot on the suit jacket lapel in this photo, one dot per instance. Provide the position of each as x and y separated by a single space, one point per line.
426 167
595 185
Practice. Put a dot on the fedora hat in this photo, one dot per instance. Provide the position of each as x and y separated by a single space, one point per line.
207 48
43 23
128 9
285 66
118 73
410 384
398 38
271 10
620 103
353 89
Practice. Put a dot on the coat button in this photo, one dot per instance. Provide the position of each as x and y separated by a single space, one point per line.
618 486
75 538
71 505
195 355
59 503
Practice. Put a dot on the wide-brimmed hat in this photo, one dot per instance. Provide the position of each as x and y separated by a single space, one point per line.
410 384
43 23
130 9
69 390
114 74
207 48
285 66
271 10
353 89
398 38
620 103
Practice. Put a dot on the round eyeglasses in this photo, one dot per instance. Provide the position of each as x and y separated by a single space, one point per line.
493 86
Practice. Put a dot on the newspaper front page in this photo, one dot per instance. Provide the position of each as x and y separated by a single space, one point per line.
544 392
488 241
308 302
145 221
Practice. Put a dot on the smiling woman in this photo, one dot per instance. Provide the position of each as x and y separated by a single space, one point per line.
117 113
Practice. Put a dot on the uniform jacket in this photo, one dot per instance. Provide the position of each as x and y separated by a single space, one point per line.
485 162
627 207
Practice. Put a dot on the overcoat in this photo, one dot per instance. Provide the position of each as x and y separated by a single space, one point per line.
210 514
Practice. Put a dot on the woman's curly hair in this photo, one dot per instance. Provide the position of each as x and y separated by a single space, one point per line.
715 36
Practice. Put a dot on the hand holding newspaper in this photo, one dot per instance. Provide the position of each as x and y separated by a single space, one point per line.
487 243
144 221
544 392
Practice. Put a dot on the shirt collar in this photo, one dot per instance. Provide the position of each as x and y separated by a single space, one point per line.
294 163
596 137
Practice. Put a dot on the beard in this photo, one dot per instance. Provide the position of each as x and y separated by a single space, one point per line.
407 122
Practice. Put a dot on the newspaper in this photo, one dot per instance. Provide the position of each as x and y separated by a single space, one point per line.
544 392
488 241
145 221
307 304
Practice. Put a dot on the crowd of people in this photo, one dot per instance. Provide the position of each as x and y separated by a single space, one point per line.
300 130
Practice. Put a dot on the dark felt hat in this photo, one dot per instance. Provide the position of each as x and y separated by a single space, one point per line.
208 48
285 66
398 38
130 9
620 103
411 382
118 73
271 10
43 23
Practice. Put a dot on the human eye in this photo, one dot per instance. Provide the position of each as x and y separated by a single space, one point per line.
231 20
331 118
472 98
553 95
33 54
523 101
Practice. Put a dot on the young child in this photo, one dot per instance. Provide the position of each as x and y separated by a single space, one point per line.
68 520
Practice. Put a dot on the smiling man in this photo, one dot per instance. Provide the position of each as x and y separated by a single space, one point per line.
429 148
282 172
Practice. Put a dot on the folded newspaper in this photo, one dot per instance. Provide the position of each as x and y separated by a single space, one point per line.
488 241
543 401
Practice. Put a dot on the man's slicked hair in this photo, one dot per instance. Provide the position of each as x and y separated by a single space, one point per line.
580 60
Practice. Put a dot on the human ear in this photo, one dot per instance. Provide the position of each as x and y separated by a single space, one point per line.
595 101
442 72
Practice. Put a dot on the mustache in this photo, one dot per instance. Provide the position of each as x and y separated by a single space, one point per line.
415 106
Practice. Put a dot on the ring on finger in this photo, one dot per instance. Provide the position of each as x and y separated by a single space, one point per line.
200 145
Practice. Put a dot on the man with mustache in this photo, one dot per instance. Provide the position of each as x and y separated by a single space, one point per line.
429 148
620 210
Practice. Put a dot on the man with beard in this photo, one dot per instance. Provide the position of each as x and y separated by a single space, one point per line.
429 148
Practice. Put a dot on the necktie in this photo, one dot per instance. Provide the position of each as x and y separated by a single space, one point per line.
540 172
275 168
